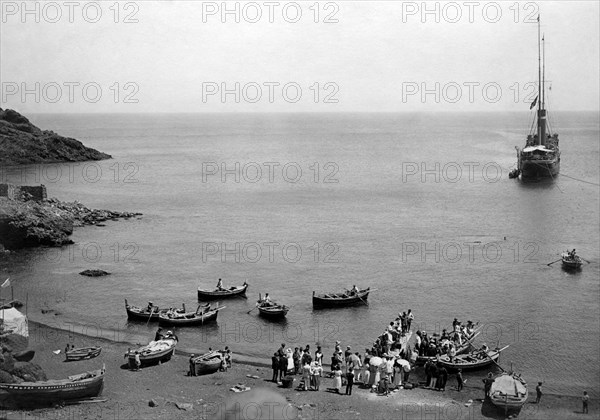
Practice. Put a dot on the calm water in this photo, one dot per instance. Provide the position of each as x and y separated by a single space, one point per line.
460 241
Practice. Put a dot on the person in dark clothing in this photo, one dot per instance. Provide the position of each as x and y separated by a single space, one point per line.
281 350
349 383
442 379
487 384
297 357
158 335
459 380
428 372
275 366
282 367
434 375
192 366
538 391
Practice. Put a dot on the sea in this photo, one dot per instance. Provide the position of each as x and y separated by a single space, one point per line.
417 206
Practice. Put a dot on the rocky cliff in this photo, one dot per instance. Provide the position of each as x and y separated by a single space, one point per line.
21 142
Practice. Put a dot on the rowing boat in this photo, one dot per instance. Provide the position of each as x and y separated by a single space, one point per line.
571 261
508 391
272 310
336 300
204 294
464 348
46 393
83 353
154 352
477 359
207 363
203 315
144 314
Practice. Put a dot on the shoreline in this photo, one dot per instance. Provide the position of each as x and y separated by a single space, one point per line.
128 393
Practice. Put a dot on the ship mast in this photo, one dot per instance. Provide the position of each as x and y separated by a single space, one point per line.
541 132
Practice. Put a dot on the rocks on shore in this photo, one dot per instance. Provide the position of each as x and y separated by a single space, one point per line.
21 142
48 222
94 273
11 369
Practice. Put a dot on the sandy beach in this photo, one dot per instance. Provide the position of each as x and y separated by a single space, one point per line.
178 396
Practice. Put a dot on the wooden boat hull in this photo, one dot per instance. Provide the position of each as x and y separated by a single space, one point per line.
505 394
493 356
24 356
46 393
193 319
273 313
152 358
83 353
570 262
204 294
137 313
207 367
333 301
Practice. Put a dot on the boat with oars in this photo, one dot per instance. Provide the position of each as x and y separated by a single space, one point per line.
150 313
509 391
337 300
571 260
271 310
462 348
204 314
540 158
47 393
222 293
155 352
207 363
82 353
477 359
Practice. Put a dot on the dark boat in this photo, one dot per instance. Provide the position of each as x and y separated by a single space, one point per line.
203 315
571 260
477 359
336 300
509 392
272 310
233 291
540 158
207 363
47 393
154 352
465 347
24 356
83 353
143 314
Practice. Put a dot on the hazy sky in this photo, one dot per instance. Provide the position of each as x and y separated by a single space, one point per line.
178 56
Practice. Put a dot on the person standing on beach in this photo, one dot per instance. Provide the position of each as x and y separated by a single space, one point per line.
283 363
459 380
487 382
297 358
275 366
585 400
350 382
192 366
538 391
138 362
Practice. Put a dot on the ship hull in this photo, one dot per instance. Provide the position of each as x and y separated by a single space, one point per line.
539 169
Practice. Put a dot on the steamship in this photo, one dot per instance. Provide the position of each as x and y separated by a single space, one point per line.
540 158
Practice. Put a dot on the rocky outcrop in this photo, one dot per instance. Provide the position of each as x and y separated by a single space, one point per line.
50 222
14 371
21 142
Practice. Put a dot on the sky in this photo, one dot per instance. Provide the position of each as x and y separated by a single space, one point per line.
303 56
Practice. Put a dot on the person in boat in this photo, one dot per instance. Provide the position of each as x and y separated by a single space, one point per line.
150 307
220 285
444 335
409 319
158 335
451 353
354 290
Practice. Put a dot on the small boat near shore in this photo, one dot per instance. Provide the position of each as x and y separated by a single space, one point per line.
464 348
207 363
477 359
47 393
205 294
203 315
509 391
82 353
145 313
571 260
337 300
154 352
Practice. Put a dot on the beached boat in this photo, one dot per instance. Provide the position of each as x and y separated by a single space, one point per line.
203 315
47 393
571 260
336 300
464 348
477 359
83 353
540 158
207 363
154 352
144 313
205 294
509 391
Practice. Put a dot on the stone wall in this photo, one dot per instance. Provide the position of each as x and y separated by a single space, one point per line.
13 192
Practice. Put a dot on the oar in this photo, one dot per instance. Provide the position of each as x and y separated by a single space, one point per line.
151 312
358 296
553 262
589 262
256 306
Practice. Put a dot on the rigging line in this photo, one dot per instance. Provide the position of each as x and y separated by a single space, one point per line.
581 180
